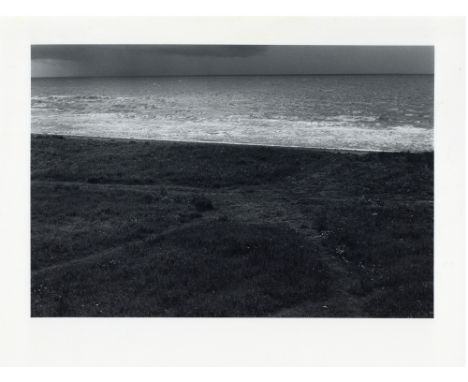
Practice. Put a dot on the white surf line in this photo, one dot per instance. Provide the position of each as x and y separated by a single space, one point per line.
233 143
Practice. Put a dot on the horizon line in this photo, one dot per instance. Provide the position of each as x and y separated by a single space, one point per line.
240 75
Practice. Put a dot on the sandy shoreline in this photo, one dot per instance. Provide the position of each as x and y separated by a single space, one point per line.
163 141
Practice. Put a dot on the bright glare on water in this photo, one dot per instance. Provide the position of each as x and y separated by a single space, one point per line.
384 113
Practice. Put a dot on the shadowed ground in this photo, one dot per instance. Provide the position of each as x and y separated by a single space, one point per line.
146 228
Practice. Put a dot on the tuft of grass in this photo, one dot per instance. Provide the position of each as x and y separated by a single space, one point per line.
202 203
149 198
321 220
186 217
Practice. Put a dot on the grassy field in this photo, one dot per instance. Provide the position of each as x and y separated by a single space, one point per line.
146 228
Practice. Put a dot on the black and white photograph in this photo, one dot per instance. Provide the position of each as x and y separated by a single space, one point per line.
232 181
233 191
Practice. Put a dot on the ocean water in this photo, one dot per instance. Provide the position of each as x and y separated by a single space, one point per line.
381 113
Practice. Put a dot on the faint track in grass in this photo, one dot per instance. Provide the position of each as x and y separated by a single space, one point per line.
222 190
115 186
250 205
114 251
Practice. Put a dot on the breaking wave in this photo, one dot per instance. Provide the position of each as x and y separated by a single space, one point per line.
375 115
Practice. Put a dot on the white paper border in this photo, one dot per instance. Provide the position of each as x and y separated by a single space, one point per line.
158 341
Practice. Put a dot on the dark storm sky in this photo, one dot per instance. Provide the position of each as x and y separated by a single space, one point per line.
165 60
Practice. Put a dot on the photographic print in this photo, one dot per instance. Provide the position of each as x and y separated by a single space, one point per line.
232 181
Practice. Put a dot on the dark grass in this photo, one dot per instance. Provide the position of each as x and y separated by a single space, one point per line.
135 228
231 270
389 253
215 165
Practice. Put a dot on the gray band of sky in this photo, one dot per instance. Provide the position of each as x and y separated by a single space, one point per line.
178 60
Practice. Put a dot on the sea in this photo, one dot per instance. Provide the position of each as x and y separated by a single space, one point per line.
346 112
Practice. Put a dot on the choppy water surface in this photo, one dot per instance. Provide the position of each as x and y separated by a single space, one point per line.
385 113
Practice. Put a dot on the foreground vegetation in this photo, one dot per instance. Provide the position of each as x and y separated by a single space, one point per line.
135 228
